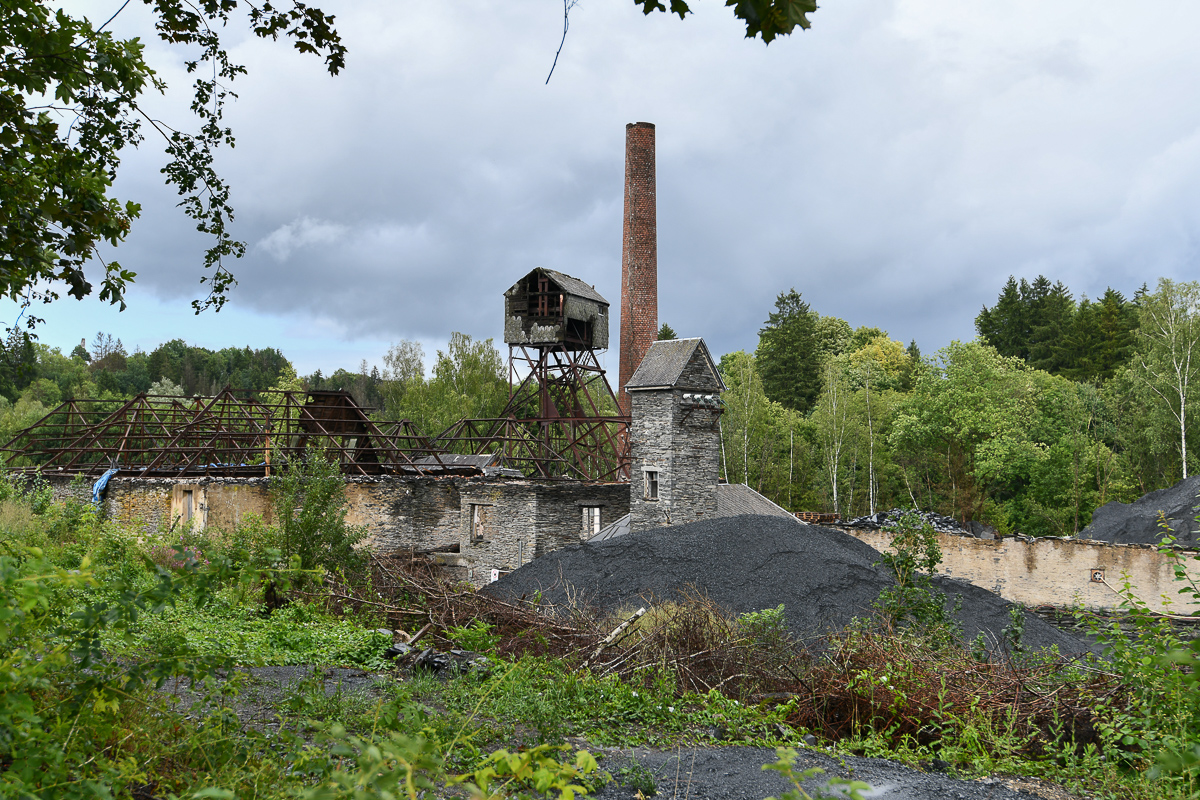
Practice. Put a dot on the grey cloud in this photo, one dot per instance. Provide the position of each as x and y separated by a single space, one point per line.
895 164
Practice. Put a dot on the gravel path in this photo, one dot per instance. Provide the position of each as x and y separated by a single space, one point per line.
824 578
736 773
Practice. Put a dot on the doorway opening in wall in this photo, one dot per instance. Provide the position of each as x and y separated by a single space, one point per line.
189 499
650 484
591 521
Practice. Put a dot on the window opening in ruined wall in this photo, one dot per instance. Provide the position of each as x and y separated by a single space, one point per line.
591 521
650 484
479 521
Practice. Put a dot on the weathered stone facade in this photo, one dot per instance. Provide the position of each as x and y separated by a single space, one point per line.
675 445
480 524
1057 572
503 526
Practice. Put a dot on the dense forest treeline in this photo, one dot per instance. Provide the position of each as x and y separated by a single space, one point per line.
1058 406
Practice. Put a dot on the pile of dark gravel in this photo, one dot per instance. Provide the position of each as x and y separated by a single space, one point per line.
880 519
1137 522
823 578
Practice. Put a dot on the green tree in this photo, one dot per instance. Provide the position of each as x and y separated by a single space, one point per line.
468 382
1029 321
309 500
964 426
70 104
666 332
403 370
789 353
836 431
1168 352
1005 326
877 367
746 423
1052 313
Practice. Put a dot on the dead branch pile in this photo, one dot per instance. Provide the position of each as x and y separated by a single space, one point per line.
699 645
895 683
407 591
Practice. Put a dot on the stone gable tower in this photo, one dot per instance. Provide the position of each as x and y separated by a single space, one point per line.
675 440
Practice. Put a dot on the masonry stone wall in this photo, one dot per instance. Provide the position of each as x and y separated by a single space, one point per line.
419 513
497 529
520 519
560 511
697 375
684 448
503 526
145 505
1057 572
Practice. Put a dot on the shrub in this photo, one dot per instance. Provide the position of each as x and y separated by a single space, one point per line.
913 601
309 498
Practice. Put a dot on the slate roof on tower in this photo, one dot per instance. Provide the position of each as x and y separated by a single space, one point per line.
666 362
567 284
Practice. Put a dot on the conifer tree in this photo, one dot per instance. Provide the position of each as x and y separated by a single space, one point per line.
789 353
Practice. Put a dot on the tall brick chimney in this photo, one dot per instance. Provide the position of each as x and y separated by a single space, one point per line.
639 255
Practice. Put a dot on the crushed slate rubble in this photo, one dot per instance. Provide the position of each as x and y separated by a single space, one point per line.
881 519
939 522
1138 522
823 577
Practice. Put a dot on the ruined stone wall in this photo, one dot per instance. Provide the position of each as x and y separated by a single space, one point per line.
229 502
518 519
142 504
64 488
505 525
1056 572
421 513
560 511
497 528
684 451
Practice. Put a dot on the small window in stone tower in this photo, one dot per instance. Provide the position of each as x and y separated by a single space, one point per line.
591 521
651 484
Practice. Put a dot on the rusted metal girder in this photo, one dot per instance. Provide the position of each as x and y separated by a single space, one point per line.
160 436
561 421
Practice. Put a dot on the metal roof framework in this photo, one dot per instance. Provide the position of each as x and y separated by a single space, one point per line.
163 436
561 421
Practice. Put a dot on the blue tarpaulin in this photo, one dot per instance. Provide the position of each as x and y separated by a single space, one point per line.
99 486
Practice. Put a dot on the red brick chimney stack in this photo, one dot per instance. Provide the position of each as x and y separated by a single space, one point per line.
639 255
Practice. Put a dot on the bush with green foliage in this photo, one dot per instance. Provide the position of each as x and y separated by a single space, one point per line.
309 499
913 601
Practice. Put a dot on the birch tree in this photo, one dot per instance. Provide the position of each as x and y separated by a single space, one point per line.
1168 356
832 417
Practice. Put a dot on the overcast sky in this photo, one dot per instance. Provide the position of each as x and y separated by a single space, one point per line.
895 164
